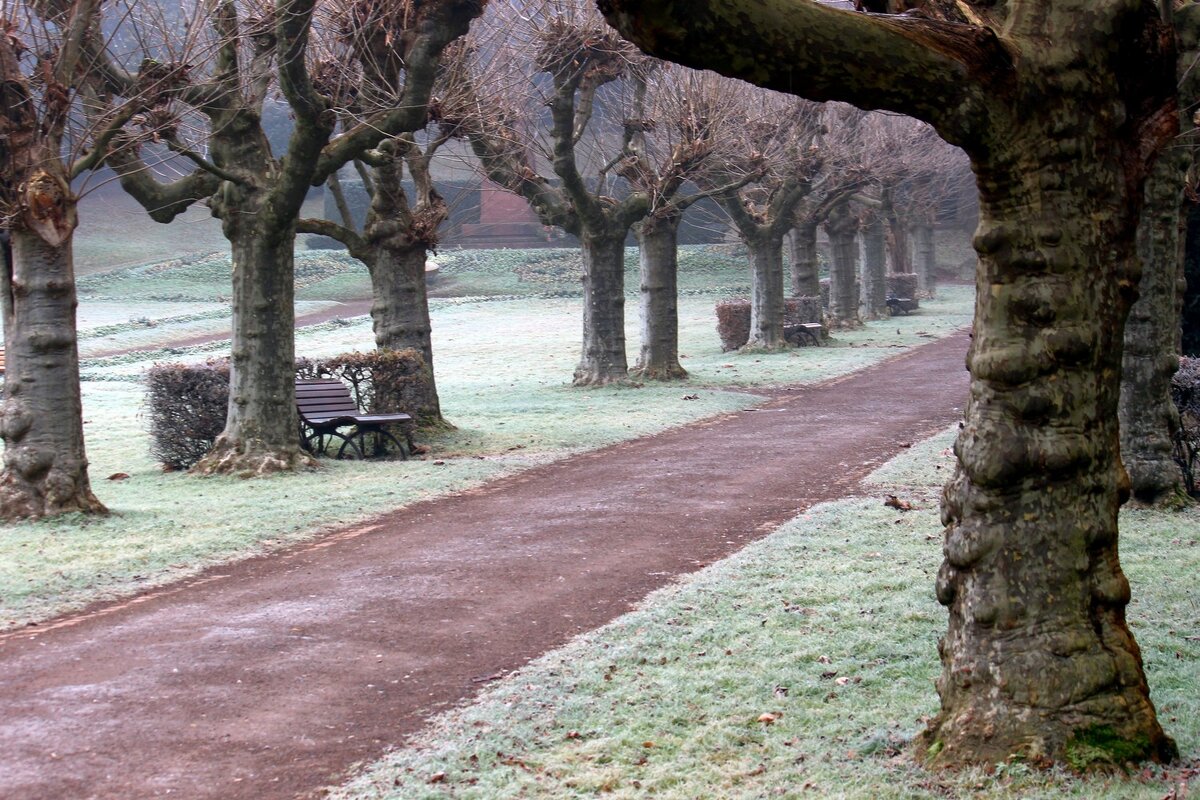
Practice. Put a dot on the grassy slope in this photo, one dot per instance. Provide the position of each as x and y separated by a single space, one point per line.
503 367
830 626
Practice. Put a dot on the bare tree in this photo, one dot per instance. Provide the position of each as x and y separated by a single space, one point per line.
558 86
1061 125
400 227
778 143
843 172
681 118
41 421
257 51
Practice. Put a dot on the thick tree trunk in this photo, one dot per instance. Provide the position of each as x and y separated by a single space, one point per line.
400 316
1149 418
603 359
45 467
261 429
806 278
874 270
766 293
658 241
1038 660
842 228
923 243
1190 316
899 254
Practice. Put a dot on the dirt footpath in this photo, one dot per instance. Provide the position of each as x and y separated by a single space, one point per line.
269 678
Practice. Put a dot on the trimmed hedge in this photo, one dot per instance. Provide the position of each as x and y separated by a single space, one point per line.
188 403
902 284
733 318
733 323
1185 391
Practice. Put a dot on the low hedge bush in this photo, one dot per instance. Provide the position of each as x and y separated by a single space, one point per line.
188 402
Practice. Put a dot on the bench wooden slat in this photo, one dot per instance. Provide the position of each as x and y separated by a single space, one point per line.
326 405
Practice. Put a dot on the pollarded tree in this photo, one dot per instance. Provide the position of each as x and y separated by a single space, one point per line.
400 228
260 192
558 83
41 421
943 174
1061 106
681 119
779 141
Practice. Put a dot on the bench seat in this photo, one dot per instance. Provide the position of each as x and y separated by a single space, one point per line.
326 407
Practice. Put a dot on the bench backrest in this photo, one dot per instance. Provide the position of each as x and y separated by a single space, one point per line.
324 398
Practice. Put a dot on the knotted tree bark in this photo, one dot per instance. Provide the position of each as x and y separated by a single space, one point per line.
1061 106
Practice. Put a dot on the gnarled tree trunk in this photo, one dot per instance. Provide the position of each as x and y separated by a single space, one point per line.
1148 416
45 467
1038 659
874 269
842 228
806 278
658 242
603 358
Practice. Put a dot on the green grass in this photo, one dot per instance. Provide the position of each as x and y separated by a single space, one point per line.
830 626
503 366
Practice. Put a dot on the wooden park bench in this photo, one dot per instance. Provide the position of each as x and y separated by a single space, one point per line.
804 330
326 407
901 305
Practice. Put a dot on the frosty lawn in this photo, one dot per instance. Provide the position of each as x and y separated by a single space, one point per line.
800 667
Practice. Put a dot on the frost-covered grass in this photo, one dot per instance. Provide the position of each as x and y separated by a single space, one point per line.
503 367
830 627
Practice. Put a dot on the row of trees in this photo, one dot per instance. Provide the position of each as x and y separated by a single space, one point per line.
1061 132
556 107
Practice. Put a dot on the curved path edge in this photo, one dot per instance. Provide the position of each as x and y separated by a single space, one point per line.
269 678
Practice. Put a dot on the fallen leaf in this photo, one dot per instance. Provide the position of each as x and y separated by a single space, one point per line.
437 777
119 476
768 718
895 502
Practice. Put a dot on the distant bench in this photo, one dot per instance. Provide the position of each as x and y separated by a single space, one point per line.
325 407
804 330
901 305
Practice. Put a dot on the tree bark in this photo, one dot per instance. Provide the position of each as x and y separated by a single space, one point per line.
261 426
806 278
45 466
923 241
603 358
842 228
658 243
1148 416
766 292
874 270
400 315
1038 659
